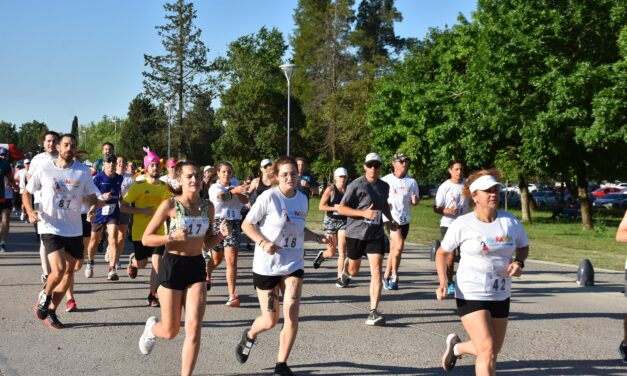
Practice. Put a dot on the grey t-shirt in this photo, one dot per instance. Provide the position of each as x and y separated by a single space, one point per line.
359 195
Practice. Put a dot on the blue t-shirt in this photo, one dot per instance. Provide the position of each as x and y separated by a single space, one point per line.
5 170
112 207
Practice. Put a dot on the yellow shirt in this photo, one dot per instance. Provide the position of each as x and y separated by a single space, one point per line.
146 195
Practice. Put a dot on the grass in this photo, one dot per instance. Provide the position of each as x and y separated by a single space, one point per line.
565 243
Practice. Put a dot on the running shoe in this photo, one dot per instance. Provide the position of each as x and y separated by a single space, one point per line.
113 275
393 283
243 347
147 339
70 306
153 301
89 269
208 281
130 269
2 248
374 318
318 260
52 321
386 283
622 350
106 256
23 217
449 358
233 301
281 369
44 278
450 291
41 306
339 283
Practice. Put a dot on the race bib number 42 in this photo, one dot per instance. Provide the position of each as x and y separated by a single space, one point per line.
495 283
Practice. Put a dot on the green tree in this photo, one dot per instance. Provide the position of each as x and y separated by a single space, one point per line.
202 132
8 133
30 135
146 125
74 130
180 74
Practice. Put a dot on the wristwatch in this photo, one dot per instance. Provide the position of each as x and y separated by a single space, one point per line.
227 195
520 262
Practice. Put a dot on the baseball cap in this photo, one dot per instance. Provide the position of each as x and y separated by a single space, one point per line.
208 167
26 161
483 183
265 162
372 157
400 157
109 158
340 171
3 151
171 163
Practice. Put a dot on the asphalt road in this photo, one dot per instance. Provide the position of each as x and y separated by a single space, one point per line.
556 327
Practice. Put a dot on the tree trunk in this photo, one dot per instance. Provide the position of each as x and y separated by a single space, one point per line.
582 198
524 199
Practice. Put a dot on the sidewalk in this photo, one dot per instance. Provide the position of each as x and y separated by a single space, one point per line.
556 328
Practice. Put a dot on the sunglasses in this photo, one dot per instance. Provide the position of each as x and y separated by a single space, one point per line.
376 166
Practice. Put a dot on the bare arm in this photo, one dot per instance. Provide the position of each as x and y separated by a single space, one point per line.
440 266
125 207
212 240
621 233
150 237
325 198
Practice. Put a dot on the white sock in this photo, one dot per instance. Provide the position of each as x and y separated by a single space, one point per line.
393 278
149 333
455 350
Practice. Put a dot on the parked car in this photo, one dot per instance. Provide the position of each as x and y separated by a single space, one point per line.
601 192
546 199
513 199
611 201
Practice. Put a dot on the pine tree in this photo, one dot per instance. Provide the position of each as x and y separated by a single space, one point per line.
74 130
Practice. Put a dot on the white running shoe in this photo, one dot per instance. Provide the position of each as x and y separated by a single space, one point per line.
147 340
106 257
89 269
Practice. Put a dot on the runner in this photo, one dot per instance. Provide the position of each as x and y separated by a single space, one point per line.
20 179
208 173
64 184
307 184
141 200
276 223
450 203
170 177
621 236
182 270
228 200
70 300
109 184
334 224
363 203
50 142
404 194
7 186
493 248
124 220
107 149
262 183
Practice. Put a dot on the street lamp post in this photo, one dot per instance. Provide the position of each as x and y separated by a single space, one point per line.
288 70
116 121
168 107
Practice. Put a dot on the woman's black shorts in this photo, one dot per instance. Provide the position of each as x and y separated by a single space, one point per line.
179 272
268 282
498 309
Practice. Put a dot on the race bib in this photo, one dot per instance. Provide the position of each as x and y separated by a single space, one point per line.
289 240
229 214
64 202
195 226
496 283
108 209
376 220
402 219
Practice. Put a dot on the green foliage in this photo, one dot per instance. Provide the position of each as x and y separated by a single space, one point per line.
30 136
74 129
146 125
201 131
8 133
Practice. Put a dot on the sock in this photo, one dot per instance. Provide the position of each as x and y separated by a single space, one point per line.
393 278
455 352
149 333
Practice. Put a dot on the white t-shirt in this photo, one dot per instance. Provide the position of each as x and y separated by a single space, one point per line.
62 192
229 210
21 178
485 249
399 197
450 195
281 220
36 163
171 182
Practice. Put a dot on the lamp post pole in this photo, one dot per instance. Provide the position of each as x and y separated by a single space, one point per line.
288 70
168 107
116 121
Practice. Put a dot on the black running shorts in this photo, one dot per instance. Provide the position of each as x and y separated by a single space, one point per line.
498 309
86 226
356 248
124 219
268 282
97 227
404 229
7 204
142 252
72 245
179 272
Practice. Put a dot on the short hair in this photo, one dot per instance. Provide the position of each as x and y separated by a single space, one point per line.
476 175
70 135
300 159
108 143
224 163
53 134
453 162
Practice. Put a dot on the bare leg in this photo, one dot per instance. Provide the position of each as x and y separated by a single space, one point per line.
486 339
268 318
62 286
195 303
230 254
291 310
376 284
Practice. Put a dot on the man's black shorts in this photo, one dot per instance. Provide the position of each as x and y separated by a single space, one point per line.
73 245
142 252
356 248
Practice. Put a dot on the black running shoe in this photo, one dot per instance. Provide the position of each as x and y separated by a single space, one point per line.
339 283
152 300
243 347
281 369
318 260
622 350
449 358
375 318
52 321
41 306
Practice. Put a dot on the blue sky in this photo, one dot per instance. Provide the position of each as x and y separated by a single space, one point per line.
85 58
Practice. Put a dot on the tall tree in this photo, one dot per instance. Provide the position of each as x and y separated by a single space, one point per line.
181 74
146 125
202 132
74 130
